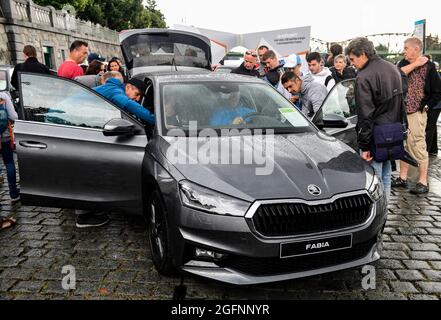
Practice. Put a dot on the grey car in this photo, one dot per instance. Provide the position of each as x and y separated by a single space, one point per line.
307 205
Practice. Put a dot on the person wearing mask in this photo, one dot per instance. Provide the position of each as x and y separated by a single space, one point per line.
340 71
30 65
70 68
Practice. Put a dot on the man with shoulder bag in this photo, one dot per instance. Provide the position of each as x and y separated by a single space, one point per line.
379 97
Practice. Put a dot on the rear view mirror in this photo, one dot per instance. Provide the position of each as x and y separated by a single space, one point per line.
118 127
334 121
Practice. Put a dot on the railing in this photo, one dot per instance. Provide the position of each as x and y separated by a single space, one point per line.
21 7
27 11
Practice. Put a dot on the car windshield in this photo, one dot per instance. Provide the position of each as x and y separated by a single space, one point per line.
228 105
166 50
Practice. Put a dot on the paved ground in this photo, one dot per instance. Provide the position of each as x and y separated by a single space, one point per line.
114 263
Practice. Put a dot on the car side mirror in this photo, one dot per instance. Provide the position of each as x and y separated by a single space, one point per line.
334 121
118 127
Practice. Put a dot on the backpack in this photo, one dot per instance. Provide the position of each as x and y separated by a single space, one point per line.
4 119
328 78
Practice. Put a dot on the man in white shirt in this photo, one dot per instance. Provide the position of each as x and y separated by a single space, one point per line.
320 73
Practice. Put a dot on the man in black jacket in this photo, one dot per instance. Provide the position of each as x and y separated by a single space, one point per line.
31 65
423 95
248 67
379 99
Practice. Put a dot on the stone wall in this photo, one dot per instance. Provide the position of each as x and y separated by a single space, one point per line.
45 28
5 56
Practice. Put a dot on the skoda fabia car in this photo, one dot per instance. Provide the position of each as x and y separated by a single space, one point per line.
237 185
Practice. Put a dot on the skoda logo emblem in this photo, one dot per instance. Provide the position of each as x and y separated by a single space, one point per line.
314 190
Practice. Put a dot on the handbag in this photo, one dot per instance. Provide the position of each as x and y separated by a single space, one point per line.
388 142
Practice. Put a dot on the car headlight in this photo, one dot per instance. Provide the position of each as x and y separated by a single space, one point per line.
198 197
374 186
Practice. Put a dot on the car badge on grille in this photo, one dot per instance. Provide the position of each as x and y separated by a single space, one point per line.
314 190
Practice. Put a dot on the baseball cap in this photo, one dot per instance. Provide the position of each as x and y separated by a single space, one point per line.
95 56
292 60
142 87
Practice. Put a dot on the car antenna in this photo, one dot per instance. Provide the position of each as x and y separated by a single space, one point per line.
174 64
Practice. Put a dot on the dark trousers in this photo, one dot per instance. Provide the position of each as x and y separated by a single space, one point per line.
432 131
8 160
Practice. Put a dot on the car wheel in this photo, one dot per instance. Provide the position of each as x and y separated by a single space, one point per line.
158 234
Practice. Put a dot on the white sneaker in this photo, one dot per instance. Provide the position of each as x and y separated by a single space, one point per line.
15 200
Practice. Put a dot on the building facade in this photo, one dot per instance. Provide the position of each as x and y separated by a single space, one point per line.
50 31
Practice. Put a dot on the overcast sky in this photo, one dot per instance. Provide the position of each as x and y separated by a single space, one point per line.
330 20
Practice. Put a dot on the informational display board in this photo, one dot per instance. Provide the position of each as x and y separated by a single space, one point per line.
420 32
284 41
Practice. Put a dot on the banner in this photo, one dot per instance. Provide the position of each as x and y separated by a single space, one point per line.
284 41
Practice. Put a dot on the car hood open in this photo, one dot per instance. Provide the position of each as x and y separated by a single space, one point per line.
295 162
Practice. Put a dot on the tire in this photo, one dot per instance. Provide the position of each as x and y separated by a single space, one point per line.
158 235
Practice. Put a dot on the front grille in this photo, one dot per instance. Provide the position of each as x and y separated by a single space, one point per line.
288 219
276 266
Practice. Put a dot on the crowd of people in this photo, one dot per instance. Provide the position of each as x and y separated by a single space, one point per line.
407 94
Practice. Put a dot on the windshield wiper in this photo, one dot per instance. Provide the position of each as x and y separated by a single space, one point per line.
174 64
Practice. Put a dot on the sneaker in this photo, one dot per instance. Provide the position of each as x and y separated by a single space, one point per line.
15 200
420 189
91 220
398 183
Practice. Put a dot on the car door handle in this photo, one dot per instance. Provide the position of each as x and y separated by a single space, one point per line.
33 144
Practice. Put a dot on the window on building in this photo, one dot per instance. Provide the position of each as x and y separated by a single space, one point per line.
48 57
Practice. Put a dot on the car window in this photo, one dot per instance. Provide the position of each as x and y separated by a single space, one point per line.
3 80
341 100
166 50
60 101
228 105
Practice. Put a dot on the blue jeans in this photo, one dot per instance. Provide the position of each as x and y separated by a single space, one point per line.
8 160
384 171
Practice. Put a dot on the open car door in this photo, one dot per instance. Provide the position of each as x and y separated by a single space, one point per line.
75 149
339 108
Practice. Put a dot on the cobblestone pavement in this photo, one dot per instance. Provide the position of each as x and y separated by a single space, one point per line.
113 262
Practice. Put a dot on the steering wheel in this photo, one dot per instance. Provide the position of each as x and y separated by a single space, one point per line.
265 119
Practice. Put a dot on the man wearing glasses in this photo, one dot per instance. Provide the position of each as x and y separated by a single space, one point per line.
248 67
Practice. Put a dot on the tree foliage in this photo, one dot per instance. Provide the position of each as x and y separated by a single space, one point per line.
114 14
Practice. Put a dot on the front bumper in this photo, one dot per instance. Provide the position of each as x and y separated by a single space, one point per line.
252 258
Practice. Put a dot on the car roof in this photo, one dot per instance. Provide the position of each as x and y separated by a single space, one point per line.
198 76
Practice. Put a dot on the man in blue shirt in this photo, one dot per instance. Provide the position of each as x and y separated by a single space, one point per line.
126 97
233 113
